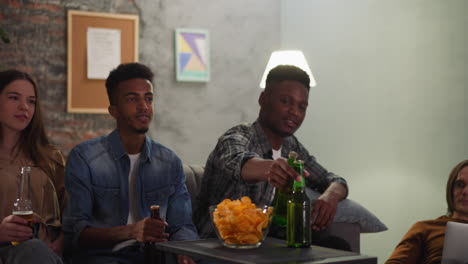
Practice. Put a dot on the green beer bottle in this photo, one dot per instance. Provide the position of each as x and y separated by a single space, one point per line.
281 198
298 213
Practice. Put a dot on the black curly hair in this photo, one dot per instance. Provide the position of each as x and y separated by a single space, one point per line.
126 72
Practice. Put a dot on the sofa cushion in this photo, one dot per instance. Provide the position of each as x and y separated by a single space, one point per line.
349 211
193 175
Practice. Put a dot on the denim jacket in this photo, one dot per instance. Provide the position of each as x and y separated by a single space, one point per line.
96 179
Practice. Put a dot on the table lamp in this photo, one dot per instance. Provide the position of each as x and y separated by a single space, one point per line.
287 57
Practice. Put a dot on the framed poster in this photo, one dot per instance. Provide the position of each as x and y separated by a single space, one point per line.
96 42
192 55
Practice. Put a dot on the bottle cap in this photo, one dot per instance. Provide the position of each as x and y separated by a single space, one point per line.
155 211
293 155
25 169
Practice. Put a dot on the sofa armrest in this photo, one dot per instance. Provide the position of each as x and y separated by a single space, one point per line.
351 232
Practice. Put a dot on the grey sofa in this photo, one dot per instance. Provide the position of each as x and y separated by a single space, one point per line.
350 232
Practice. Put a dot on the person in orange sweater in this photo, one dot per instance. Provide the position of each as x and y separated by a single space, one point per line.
424 241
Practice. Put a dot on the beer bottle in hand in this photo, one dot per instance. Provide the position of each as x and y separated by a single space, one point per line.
298 229
281 198
22 207
152 255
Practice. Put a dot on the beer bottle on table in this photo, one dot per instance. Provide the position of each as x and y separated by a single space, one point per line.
298 230
281 198
22 207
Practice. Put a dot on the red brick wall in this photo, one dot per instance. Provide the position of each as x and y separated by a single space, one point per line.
37 30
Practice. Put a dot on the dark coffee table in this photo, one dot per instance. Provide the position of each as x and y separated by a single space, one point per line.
271 251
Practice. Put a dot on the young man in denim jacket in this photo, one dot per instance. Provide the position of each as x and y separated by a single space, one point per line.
113 180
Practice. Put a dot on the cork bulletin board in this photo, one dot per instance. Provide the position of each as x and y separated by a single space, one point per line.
86 95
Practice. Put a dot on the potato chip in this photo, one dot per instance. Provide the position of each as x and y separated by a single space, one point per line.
240 221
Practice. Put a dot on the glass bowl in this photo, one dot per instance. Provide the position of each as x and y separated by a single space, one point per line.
246 228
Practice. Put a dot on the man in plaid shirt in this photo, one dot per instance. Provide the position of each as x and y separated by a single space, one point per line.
248 159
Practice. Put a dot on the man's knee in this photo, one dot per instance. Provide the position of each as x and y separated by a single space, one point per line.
33 251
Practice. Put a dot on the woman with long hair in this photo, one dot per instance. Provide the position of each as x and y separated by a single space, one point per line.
23 142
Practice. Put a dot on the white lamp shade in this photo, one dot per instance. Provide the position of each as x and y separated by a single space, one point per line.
287 57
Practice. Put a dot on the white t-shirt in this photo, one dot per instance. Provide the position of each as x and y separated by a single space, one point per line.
276 153
133 201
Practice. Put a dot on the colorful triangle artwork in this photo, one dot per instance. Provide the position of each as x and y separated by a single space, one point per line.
192 55
191 40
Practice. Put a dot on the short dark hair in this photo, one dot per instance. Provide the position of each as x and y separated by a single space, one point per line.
451 185
126 72
288 73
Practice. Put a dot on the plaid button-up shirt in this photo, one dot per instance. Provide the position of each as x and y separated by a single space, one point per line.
222 178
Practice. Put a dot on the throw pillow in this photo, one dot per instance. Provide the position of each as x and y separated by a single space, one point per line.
349 211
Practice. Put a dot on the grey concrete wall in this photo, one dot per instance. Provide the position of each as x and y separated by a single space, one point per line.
189 117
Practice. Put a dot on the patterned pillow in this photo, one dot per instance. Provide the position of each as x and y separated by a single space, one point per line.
349 211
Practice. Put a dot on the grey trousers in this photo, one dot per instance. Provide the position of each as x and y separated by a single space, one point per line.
28 252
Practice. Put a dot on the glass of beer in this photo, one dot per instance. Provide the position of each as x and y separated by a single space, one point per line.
22 207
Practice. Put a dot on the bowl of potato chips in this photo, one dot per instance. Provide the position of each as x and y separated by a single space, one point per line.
240 223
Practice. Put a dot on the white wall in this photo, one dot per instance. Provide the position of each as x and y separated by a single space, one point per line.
389 112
